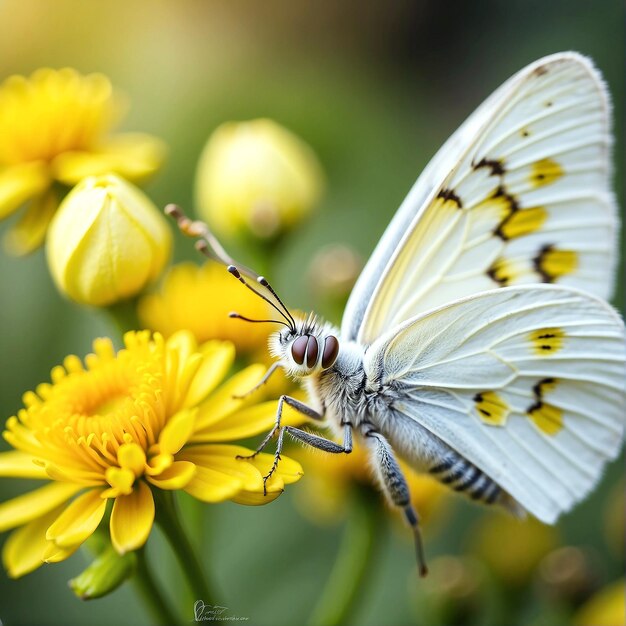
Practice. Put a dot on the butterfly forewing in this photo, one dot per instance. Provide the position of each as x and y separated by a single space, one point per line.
527 383
524 198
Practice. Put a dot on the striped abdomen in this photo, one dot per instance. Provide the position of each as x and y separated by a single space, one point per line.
459 474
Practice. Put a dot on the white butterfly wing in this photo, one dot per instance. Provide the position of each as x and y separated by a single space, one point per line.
528 383
520 194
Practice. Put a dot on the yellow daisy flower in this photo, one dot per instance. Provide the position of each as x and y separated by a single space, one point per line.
199 298
55 126
156 415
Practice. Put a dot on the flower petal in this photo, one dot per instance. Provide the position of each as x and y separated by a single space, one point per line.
132 518
248 422
54 554
218 357
131 456
223 458
223 403
135 156
21 183
174 477
177 431
30 231
78 520
34 504
24 548
210 485
257 498
288 471
121 481
20 465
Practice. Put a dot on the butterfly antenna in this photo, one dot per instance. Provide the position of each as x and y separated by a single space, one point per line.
263 281
237 316
196 228
237 274
210 247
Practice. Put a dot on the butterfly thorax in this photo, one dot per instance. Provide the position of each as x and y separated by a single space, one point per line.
343 392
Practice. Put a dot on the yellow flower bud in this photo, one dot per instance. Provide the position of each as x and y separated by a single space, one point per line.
256 178
104 575
107 241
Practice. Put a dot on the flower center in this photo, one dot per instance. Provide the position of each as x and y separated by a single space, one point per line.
81 420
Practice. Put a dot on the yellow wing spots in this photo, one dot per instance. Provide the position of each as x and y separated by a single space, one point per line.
547 341
552 263
495 165
545 172
546 417
514 221
503 271
522 222
491 408
447 198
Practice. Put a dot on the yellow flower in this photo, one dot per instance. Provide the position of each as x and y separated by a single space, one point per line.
605 608
199 299
55 126
324 493
107 241
527 542
156 415
256 178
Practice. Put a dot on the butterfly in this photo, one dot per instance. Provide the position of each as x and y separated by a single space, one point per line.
477 343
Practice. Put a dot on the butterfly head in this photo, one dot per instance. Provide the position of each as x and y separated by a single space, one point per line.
304 346
306 349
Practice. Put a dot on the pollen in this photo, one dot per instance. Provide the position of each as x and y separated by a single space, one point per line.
79 423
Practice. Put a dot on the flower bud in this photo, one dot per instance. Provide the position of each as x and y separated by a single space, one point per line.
106 242
256 178
104 575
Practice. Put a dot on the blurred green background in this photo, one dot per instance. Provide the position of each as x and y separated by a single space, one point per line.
375 88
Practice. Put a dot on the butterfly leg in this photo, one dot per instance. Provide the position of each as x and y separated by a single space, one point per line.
315 441
396 488
299 435
294 404
272 368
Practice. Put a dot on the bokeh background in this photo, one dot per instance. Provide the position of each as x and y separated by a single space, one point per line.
374 88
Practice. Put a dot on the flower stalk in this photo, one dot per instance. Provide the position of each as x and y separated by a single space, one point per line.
169 521
355 562
150 593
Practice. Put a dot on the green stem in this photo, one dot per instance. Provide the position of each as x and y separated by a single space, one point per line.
354 562
151 594
124 315
168 519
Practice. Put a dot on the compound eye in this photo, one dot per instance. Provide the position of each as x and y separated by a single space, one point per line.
312 350
298 349
331 350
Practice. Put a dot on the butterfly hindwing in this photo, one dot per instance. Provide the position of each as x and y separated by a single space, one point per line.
520 194
527 383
